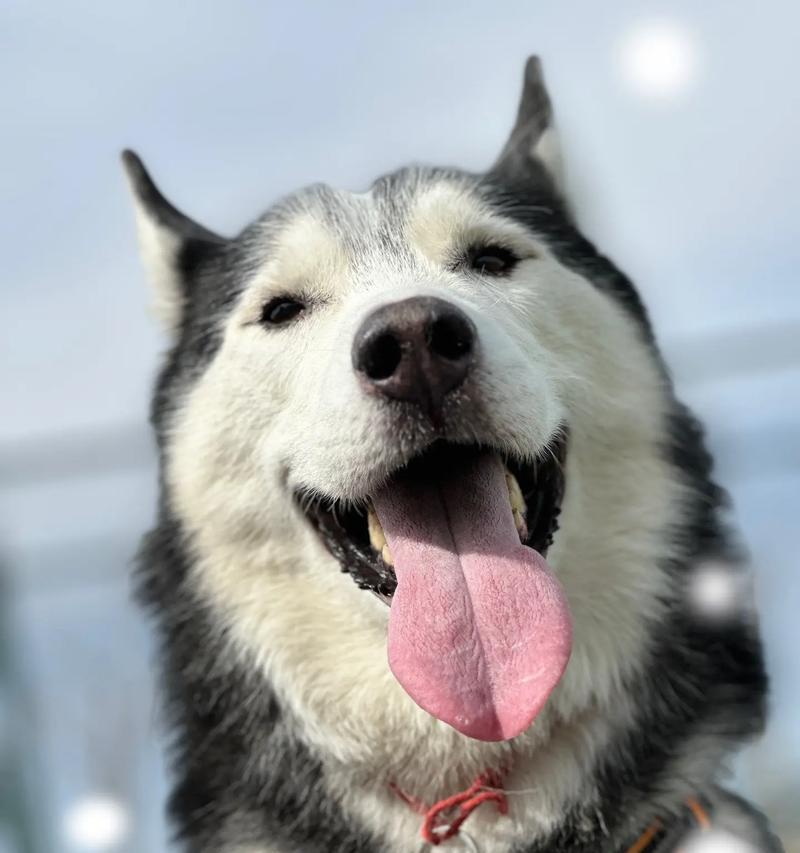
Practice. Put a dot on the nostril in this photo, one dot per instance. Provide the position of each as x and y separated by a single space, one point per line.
450 337
381 356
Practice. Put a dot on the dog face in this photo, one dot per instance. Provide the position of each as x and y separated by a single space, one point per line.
426 388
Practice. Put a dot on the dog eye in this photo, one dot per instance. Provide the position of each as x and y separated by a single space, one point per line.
281 309
491 260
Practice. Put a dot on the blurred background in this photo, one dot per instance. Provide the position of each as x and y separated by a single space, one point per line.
681 127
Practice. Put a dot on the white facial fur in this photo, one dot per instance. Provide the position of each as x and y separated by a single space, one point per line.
280 409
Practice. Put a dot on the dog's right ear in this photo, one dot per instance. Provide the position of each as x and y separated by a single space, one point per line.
533 146
172 245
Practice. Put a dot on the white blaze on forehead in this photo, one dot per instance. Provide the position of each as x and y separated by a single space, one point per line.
304 257
448 217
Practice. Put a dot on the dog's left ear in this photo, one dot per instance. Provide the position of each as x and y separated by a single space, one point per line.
533 145
173 246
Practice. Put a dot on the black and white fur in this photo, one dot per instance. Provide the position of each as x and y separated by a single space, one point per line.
287 723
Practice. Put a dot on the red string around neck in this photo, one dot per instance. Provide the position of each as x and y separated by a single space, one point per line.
443 820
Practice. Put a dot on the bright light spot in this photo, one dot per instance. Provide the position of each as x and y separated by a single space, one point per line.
718 842
658 59
96 823
717 591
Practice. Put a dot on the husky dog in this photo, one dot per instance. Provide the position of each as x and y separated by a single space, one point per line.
435 535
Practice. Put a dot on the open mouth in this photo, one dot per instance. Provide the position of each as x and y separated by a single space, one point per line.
354 535
479 630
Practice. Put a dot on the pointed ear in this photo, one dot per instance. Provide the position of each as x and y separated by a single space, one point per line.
533 144
172 245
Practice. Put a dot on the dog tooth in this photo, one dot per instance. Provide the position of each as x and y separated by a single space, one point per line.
376 536
386 554
519 523
515 493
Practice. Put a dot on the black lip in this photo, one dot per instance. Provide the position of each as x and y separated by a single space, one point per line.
343 528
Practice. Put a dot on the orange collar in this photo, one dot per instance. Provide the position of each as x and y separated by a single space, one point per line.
698 815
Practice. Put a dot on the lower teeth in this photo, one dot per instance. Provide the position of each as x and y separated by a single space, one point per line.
518 507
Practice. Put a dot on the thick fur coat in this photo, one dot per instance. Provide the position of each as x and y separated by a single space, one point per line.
287 724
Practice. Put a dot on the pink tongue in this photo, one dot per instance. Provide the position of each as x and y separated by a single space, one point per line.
479 629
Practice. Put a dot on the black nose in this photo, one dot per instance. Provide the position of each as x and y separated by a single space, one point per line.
416 350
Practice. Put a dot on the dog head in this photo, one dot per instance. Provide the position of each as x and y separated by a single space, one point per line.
430 386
